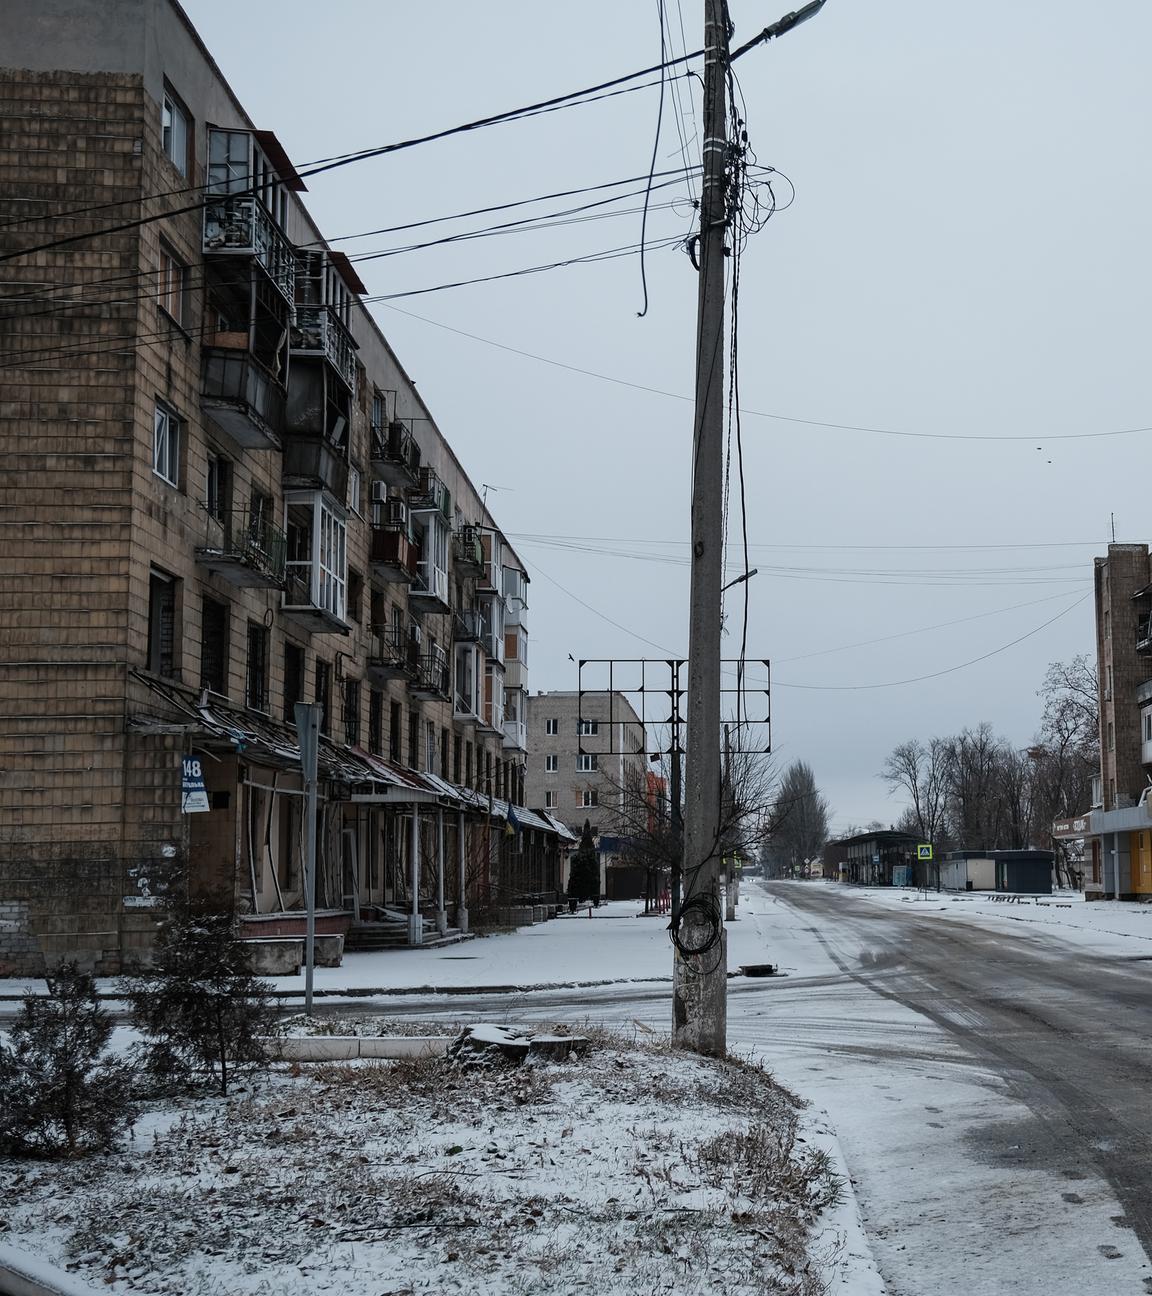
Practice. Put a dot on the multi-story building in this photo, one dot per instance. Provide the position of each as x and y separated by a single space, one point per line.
1120 827
586 759
222 495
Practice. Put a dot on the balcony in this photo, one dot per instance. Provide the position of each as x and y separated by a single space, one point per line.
392 556
429 495
395 455
242 227
467 626
318 612
515 735
242 398
318 331
393 654
244 548
428 592
1144 636
433 679
468 551
311 462
515 674
466 699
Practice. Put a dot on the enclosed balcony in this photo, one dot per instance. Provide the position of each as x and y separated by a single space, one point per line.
1144 635
392 555
314 463
241 226
394 653
467 700
515 734
315 590
245 548
242 398
468 551
319 332
395 455
433 679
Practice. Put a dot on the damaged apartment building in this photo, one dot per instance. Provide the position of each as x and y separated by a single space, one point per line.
222 496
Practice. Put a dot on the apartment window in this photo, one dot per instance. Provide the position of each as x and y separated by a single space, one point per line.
1107 624
172 286
317 559
352 712
229 165
430 748
218 486
551 764
589 727
589 797
256 681
259 513
354 491
457 758
1111 737
355 593
378 414
413 740
166 445
333 540
1148 726
293 680
552 727
323 694
162 591
175 132
445 741
214 645
549 800
586 763
395 721
467 764
375 722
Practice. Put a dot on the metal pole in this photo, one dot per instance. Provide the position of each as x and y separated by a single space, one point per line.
462 895
309 717
415 922
700 980
441 913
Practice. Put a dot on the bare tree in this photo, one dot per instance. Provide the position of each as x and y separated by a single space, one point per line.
921 771
798 827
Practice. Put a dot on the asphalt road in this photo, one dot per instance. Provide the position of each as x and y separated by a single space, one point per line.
1069 1035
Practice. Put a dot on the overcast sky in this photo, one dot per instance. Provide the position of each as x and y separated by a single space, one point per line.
966 258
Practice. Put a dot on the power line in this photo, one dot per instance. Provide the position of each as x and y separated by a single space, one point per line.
949 670
783 418
590 94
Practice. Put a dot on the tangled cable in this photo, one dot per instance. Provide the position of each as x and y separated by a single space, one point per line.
703 910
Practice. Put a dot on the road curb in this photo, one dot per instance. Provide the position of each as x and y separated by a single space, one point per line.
23 1274
852 1265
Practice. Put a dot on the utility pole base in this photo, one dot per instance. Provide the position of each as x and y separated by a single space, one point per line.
461 918
700 1000
415 929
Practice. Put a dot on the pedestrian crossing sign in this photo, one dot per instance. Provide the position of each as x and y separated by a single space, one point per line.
924 851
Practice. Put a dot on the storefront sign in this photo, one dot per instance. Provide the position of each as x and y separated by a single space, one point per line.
1070 829
193 797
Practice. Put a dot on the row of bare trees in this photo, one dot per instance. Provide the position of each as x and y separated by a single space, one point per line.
976 790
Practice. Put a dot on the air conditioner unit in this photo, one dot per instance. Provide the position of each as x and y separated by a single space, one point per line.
379 492
396 513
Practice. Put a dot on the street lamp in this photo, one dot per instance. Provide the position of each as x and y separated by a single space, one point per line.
746 575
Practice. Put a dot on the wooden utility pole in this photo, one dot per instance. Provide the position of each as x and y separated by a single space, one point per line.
700 999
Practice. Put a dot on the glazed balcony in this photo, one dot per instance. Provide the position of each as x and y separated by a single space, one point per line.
241 397
244 548
467 626
241 226
429 495
428 592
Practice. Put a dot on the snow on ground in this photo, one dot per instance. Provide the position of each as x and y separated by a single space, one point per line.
1107 927
634 1169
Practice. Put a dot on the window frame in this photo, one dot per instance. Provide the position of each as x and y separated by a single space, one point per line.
172 286
167 427
551 727
550 800
587 763
173 109
589 799
551 763
256 690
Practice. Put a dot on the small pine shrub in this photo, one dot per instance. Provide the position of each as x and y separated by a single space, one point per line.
60 1096
199 1008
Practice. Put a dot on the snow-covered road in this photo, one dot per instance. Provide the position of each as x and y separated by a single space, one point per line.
988 1078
